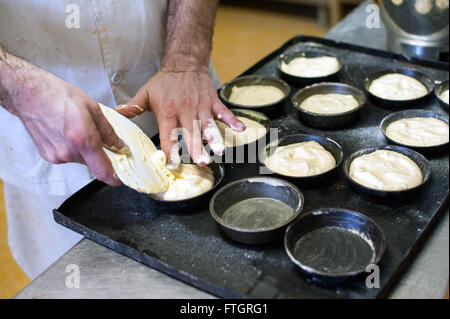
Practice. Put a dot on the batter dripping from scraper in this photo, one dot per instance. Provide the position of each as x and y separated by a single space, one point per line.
144 168
188 180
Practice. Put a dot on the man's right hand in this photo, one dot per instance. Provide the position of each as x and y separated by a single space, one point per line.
65 124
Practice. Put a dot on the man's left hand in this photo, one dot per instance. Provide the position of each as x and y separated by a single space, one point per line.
186 100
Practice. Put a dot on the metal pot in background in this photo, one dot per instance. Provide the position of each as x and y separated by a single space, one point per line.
417 27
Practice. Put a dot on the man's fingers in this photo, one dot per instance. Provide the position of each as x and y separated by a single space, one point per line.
97 134
136 106
222 113
193 139
129 110
99 164
109 137
168 135
211 133
101 167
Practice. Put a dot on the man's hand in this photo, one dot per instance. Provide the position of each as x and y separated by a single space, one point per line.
65 124
181 93
188 100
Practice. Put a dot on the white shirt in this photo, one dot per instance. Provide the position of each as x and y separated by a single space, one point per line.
116 49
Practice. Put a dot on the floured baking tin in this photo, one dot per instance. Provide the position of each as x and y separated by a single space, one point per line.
300 81
393 117
247 152
198 201
305 181
399 104
256 210
419 159
441 88
328 121
334 242
270 109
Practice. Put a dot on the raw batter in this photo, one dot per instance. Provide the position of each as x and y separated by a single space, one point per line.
188 181
136 170
254 131
255 95
419 131
311 67
329 103
301 159
444 96
144 168
396 86
386 170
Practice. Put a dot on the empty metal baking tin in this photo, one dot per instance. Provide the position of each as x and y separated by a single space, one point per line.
334 242
299 81
398 104
271 109
440 88
307 181
198 201
328 121
247 153
242 225
410 114
419 159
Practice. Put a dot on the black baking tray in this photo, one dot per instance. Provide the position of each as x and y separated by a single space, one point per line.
189 245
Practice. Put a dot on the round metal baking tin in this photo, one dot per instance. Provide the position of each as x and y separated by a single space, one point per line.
393 117
328 121
255 187
200 200
347 243
398 104
300 81
440 88
419 159
271 109
330 145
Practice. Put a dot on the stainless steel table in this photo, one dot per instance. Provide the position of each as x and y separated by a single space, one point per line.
107 274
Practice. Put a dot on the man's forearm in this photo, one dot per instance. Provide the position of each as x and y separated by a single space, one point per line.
189 35
16 76
2 54
5 97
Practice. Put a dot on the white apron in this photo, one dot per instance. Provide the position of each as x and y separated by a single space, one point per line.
116 49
